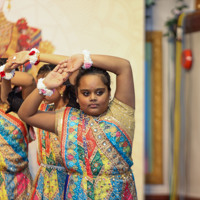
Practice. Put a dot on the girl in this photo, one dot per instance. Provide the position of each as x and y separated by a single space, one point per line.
51 176
96 140
15 177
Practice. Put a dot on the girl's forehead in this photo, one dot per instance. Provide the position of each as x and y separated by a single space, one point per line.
92 76
91 79
91 82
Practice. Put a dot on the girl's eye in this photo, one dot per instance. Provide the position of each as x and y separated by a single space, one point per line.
86 93
99 93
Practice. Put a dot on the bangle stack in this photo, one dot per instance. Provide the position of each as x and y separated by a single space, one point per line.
34 56
87 60
6 75
43 89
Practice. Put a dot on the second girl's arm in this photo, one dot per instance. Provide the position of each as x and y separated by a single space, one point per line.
26 81
23 79
29 113
22 57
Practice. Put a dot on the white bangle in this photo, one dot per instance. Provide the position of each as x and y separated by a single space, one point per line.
6 75
2 73
87 60
9 75
43 89
34 56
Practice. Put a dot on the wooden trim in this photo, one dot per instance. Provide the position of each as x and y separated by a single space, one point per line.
156 197
197 4
156 176
192 22
166 197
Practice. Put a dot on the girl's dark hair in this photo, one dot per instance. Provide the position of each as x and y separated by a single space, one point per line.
3 61
45 69
15 100
69 92
105 77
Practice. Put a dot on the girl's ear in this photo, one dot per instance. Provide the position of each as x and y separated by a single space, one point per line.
61 90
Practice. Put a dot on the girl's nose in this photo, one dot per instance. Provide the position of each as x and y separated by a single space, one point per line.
93 97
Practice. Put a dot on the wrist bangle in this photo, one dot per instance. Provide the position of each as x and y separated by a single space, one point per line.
2 73
87 60
43 89
6 75
34 56
9 75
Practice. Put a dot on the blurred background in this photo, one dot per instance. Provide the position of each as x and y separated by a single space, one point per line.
172 132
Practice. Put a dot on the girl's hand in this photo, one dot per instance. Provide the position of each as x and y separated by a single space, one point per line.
9 67
72 64
56 77
18 59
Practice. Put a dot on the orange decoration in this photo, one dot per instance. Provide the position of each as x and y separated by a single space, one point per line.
186 59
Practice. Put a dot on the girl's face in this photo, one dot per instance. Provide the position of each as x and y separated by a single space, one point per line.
55 97
93 95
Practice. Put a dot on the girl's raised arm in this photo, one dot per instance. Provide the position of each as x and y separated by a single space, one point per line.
119 66
22 79
28 111
23 57
124 80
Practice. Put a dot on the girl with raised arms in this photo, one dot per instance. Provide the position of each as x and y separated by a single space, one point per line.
96 140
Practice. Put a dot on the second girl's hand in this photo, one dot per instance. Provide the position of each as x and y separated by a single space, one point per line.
56 77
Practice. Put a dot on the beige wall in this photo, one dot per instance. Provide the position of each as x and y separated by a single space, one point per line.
114 27
192 114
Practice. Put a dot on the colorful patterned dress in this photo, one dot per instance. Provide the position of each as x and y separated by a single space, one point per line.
15 177
97 153
50 180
